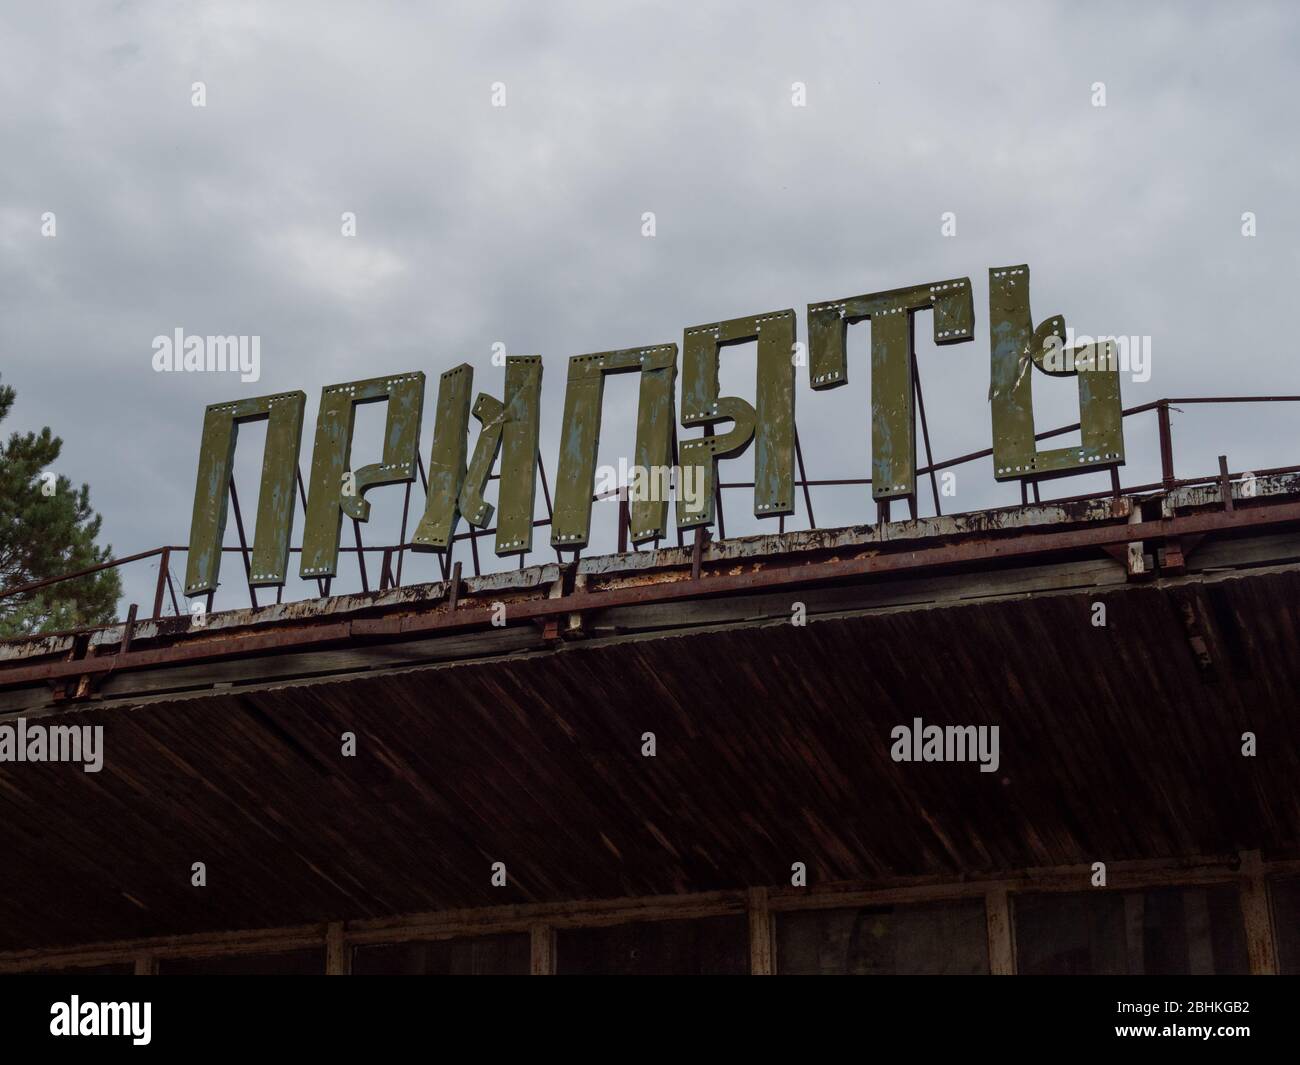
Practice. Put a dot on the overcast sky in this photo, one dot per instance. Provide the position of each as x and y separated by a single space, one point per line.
523 224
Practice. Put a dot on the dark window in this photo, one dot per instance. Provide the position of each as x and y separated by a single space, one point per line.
1286 920
125 968
477 956
906 940
1159 932
709 946
290 963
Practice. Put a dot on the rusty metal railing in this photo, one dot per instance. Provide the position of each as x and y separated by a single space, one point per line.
390 576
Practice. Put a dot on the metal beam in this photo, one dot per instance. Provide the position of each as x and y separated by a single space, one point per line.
907 557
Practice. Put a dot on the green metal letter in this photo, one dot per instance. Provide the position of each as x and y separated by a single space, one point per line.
446 461
519 451
1014 344
771 424
893 400
335 490
275 501
580 439
510 429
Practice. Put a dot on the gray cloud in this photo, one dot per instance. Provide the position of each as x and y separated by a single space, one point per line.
522 224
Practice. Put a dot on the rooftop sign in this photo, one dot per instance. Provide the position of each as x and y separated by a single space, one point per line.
509 428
